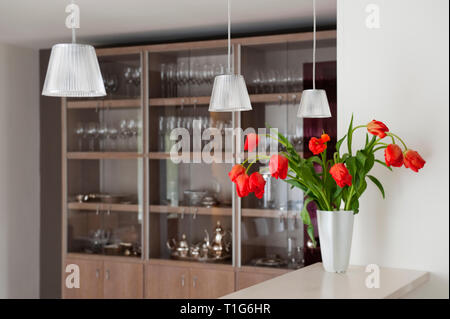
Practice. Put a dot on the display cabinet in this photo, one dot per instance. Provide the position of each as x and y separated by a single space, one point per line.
158 203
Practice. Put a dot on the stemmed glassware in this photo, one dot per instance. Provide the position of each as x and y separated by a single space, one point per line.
80 132
182 74
132 78
111 83
112 136
109 137
92 134
275 81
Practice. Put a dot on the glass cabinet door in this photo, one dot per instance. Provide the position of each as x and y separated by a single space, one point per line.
190 201
104 149
271 228
105 208
112 123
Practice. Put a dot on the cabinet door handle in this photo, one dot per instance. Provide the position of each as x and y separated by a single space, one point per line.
194 281
97 273
182 280
107 274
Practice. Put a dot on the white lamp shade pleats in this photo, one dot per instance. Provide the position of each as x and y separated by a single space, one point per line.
314 104
73 71
229 94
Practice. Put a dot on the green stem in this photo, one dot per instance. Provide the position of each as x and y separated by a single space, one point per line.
397 137
357 127
349 199
379 148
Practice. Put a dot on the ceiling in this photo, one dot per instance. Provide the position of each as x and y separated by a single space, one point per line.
41 23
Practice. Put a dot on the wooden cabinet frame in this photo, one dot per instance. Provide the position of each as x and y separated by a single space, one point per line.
236 211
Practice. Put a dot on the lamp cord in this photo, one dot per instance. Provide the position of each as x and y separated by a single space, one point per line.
229 37
314 45
74 36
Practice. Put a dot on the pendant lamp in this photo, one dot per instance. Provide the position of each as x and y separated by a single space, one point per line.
314 103
229 92
73 69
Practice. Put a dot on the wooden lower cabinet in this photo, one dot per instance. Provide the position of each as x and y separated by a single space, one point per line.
165 282
91 280
184 282
210 284
106 279
123 280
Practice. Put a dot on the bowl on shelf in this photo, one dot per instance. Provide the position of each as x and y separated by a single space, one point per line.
194 198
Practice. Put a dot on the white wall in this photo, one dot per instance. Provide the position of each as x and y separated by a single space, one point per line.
399 74
19 173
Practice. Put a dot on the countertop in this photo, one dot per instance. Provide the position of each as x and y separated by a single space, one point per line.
313 282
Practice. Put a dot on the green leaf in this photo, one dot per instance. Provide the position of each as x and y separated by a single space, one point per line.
315 159
295 183
307 220
338 144
361 157
377 183
349 136
369 163
362 187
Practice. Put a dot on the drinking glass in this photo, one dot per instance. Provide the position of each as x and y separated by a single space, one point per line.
80 132
161 127
112 135
136 80
132 134
123 134
171 79
92 134
163 76
102 136
128 75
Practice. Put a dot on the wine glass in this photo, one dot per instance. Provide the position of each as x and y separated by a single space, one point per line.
256 82
163 79
171 79
92 134
102 135
161 125
136 79
112 135
123 133
128 75
132 131
80 132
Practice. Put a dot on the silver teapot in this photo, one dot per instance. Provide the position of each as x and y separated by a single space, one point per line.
181 248
220 246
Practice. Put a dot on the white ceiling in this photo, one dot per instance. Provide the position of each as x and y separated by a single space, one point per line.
41 23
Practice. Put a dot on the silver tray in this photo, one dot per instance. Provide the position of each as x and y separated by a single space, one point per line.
200 259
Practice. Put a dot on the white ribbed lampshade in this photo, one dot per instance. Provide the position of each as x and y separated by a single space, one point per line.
229 94
73 71
314 104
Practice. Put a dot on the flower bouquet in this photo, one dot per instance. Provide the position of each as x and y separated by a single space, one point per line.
335 185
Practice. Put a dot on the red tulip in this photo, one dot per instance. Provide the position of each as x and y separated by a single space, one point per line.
413 160
278 166
341 175
236 171
256 184
393 155
325 138
377 128
242 185
251 142
317 145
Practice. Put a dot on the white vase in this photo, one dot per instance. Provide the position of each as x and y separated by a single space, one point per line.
335 233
